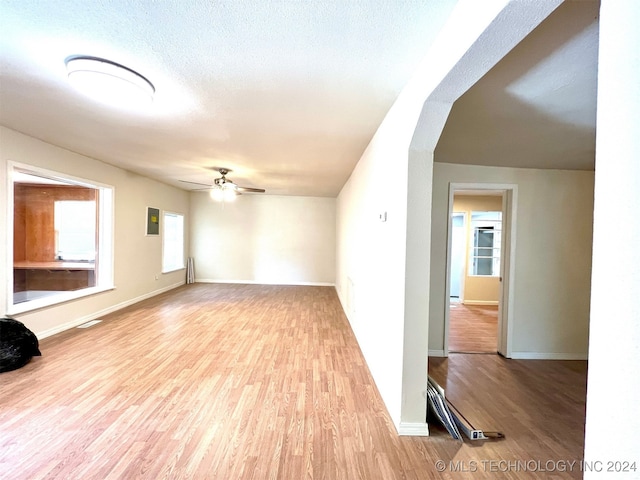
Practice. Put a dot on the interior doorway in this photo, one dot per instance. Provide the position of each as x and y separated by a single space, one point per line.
479 258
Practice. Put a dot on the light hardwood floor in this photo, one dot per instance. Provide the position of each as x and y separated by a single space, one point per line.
256 382
473 328
539 405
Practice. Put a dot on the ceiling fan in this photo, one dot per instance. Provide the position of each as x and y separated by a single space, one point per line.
223 188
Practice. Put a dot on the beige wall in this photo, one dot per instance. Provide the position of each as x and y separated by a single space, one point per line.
477 290
551 285
137 258
264 239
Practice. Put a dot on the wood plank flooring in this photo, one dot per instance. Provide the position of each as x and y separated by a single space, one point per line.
539 405
247 382
473 328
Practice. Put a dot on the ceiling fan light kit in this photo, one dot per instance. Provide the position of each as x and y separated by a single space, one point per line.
109 82
223 194
224 189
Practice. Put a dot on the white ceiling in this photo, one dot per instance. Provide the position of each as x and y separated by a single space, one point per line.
286 93
537 107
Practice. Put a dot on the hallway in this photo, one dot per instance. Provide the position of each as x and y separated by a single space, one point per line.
473 328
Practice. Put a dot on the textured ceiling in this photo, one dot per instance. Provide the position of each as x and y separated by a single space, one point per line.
286 93
537 107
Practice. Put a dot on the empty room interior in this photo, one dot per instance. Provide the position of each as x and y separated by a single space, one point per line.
252 256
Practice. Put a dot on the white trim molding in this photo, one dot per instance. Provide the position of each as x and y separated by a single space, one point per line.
437 353
413 429
256 282
481 302
548 356
105 311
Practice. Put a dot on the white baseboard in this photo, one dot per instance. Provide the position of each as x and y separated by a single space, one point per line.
437 353
407 429
93 316
480 302
548 356
255 282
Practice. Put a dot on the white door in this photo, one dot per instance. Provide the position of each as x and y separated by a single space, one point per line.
458 249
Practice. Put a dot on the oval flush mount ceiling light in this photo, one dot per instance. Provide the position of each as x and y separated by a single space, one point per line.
109 82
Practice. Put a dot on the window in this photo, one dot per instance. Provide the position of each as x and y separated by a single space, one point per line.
172 241
62 238
75 230
487 239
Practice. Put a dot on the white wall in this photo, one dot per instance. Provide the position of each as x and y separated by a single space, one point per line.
613 384
264 239
383 267
553 257
138 258
370 275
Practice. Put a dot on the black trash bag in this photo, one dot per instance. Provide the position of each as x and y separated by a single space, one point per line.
17 345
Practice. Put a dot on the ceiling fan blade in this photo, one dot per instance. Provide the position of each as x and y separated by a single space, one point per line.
248 189
196 183
225 182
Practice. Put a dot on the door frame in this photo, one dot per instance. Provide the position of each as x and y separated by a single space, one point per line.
509 194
